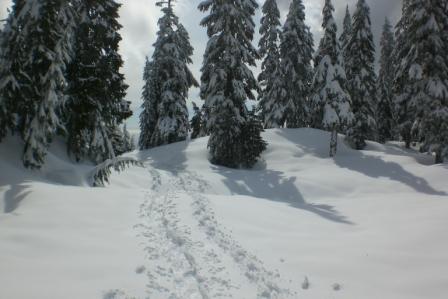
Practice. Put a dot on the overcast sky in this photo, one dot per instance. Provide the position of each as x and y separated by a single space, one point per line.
139 20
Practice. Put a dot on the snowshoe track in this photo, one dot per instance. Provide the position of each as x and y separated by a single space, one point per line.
175 256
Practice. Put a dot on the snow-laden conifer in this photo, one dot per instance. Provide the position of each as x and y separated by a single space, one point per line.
404 105
269 79
150 95
227 81
360 52
424 72
45 28
196 122
96 86
346 32
172 52
330 102
14 83
296 52
385 107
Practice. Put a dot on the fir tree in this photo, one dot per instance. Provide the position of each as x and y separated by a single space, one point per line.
149 115
361 77
227 81
196 122
385 111
172 56
96 86
269 50
346 33
39 47
424 72
128 140
296 55
404 105
330 100
15 86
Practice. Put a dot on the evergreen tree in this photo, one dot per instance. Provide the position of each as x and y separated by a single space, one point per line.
404 105
150 94
346 33
128 140
269 79
385 111
196 122
227 81
172 56
361 77
15 86
36 48
96 86
296 51
424 69
330 100
167 80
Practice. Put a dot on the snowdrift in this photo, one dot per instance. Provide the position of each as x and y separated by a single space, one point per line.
367 224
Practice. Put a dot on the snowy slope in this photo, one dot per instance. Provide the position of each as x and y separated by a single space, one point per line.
369 224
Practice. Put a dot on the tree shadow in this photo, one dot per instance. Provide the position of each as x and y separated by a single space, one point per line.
275 186
14 196
369 165
375 167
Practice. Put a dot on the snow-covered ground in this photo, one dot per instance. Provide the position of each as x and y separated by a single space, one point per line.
367 224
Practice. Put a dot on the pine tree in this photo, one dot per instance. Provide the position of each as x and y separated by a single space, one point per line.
346 33
172 56
96 86
15 86
385 111
296 51
424 71
128 140
330 100
227 81
149 114
404 105
196 122
269 79
361 77
35 58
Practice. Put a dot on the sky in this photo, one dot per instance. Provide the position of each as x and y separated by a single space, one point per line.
139 20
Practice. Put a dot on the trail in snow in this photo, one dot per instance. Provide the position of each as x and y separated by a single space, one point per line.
188 265
181 267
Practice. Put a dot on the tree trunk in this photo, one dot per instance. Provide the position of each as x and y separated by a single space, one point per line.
334 142
439 158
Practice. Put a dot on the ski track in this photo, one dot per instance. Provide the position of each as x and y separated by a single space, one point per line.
183 268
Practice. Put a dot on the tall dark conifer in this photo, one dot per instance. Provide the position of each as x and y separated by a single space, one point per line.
15 86
423 72
269 51
404 106
227 82
167 77
296 56
346 33
385 109
330 102
360 54
96 86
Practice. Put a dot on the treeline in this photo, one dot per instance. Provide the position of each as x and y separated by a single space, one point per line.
334 88
60 76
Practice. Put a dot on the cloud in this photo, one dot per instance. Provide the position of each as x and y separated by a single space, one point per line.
139 20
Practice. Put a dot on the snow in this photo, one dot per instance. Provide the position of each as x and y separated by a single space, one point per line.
367 224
